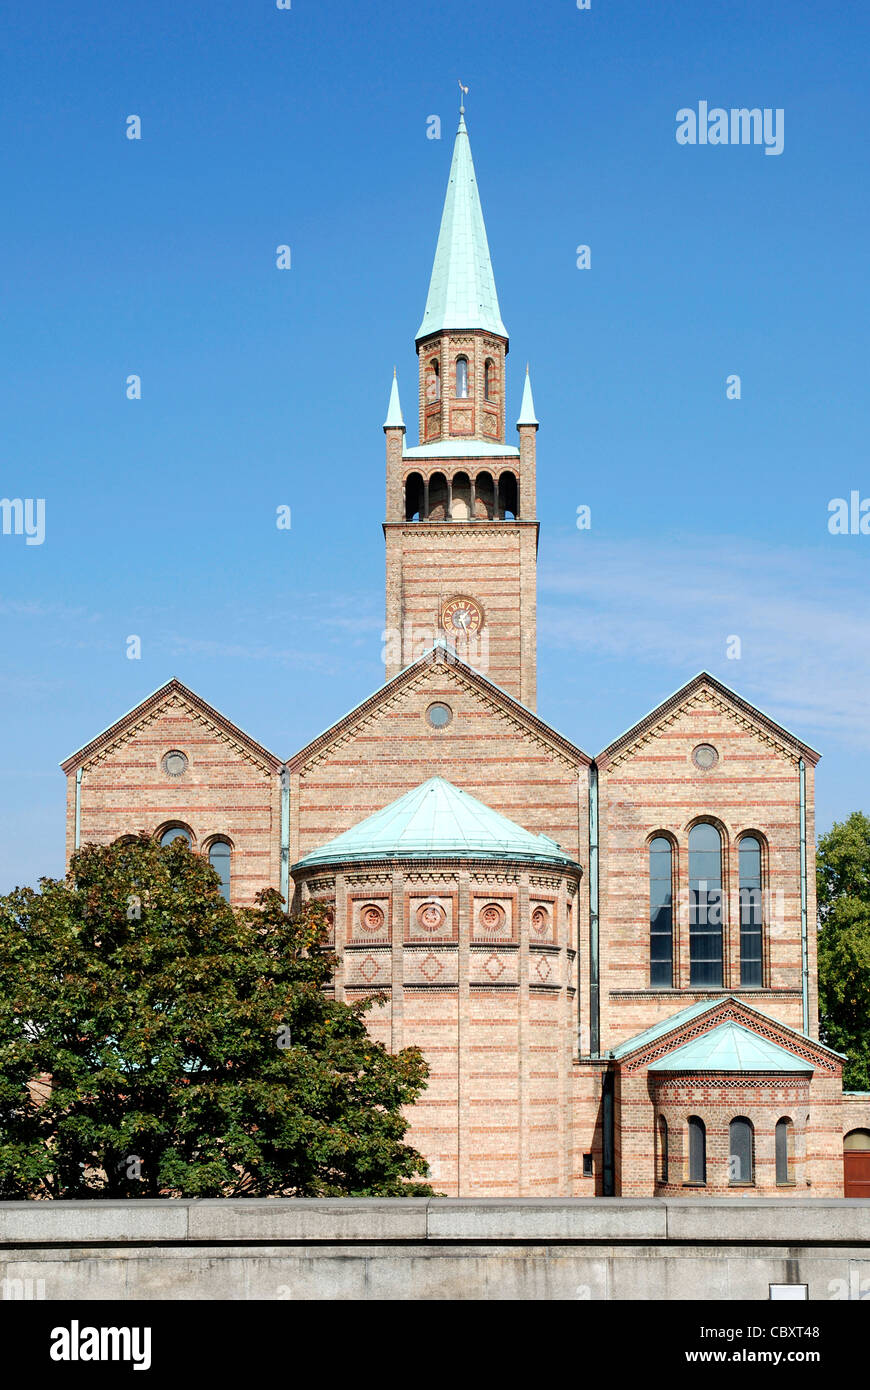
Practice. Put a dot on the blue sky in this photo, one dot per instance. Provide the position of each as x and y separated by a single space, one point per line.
262 387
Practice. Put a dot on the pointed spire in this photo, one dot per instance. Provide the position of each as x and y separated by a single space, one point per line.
394 410
527 409
462 288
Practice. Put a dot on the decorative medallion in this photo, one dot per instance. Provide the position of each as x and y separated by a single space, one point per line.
431 916
371 917
492 917
540 921
461 615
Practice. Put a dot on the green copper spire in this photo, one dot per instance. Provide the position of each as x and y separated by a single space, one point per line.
527 409
462 289
394 409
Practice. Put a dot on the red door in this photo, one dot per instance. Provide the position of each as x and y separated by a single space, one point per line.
856 1173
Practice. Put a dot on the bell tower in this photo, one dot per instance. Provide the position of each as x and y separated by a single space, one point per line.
461 531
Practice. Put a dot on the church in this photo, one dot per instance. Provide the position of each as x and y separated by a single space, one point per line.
608 962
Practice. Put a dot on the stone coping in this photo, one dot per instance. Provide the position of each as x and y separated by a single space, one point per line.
422 1220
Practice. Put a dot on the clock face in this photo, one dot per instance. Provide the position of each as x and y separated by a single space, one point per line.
461 615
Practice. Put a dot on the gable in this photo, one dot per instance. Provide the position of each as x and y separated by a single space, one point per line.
492 748
685 1032
700 700
172 704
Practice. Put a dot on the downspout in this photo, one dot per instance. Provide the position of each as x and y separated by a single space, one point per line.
285 837
78 827
594 1023
805 968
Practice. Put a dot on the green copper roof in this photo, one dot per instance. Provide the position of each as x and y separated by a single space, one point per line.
437 821
731 1048
394 409
527 409
462 289
462 448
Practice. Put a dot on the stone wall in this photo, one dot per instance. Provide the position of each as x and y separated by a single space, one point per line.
420 1249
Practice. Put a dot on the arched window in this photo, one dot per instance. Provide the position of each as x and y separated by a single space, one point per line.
414 497
507 496
219 857
462 377
661 912
433 384
784 1150
697 1150
751 921
176 832
663 1149
460 506
437 497
740 1164
488 379
705 905
484 498
857 1141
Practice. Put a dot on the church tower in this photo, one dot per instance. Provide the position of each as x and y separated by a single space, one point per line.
461 533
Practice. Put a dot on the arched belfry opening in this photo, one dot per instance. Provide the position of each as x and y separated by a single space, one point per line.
461 507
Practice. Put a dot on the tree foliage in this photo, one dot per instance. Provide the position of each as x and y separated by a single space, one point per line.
843 884
186 1048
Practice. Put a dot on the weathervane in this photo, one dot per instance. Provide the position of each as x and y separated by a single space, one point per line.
464 91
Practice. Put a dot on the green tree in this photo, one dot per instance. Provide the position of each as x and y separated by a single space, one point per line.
843 883
186 1048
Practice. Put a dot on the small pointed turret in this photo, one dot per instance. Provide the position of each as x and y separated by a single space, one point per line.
394 409
527 409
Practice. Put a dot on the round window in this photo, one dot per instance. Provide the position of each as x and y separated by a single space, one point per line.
439 715
705 756
175 764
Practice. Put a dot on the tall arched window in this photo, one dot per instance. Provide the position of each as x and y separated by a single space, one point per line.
433 387
705 905
175 832
784 1149
740 1158
219 858
661 912
414 497
697 1150
751 919
437 497
663 1149
488 382
462 376
507 496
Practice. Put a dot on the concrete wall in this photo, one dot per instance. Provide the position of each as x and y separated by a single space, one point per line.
434 1249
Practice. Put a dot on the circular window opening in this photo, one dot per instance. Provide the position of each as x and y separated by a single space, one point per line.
705 756
175 764
439 715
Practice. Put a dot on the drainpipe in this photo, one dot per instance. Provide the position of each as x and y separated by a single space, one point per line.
78 830
805 969
285 837
594 1024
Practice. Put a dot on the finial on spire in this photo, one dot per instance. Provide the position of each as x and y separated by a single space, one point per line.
464 91
394 411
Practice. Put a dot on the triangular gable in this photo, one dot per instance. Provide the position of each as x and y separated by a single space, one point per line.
643 1051
442 655
732 1048
714 692
150 709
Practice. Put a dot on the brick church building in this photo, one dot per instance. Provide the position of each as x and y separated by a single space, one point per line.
609 962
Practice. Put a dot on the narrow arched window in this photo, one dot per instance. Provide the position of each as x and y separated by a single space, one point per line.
661 913
488 379
435 382
462 376
663 1149
784 1149
740 1164
219 858
175 832
751 918
697 1150
705 905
